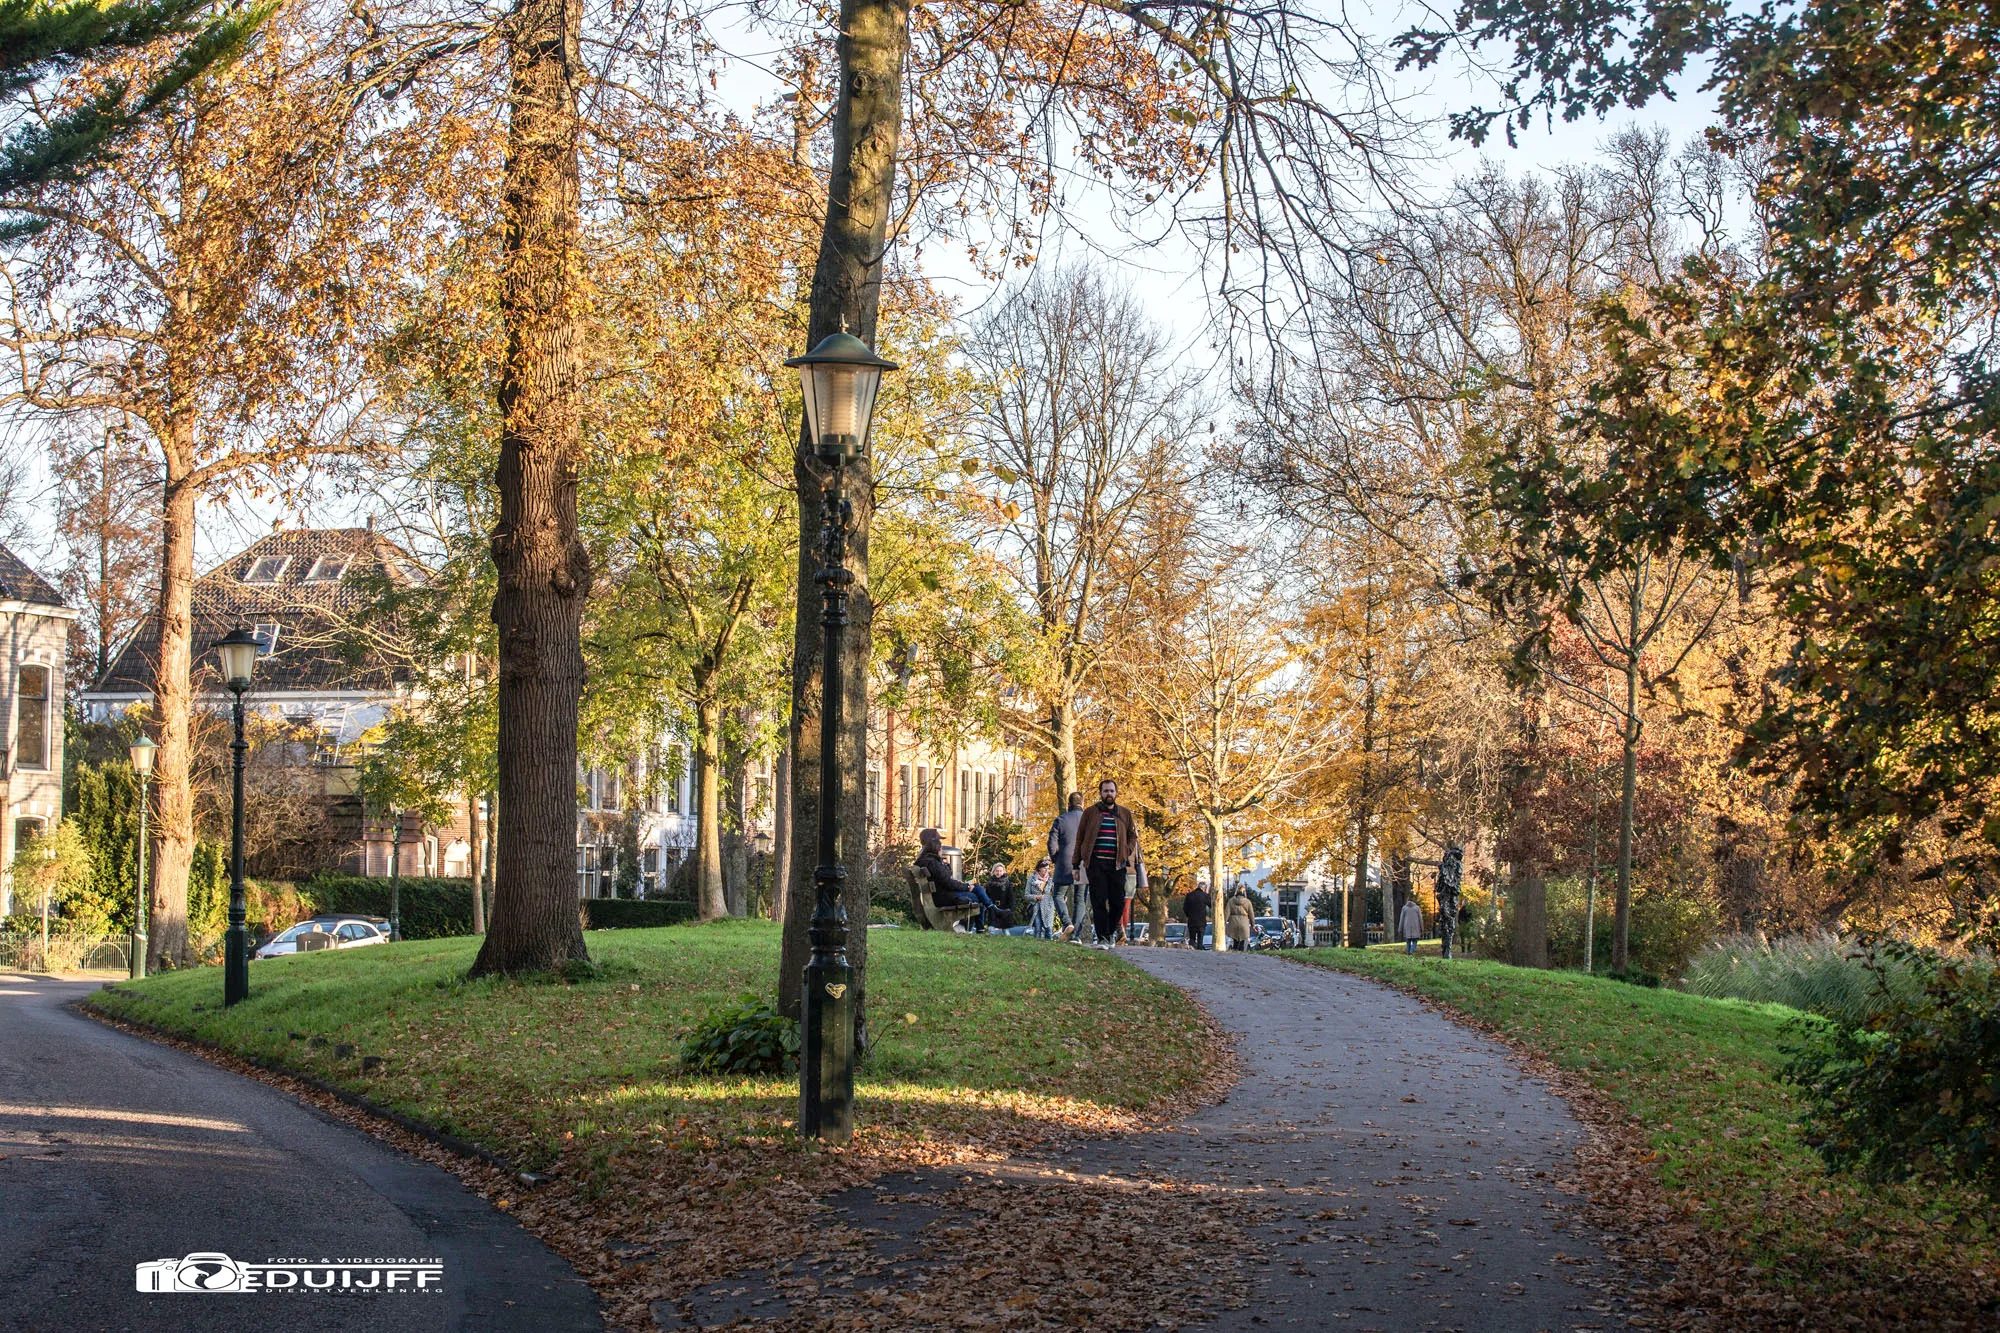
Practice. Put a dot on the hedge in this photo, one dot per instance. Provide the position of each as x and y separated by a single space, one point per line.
630 913
431 908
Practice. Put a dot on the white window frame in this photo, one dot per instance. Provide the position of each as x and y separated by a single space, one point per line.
284 563
48 696
319 572
267 645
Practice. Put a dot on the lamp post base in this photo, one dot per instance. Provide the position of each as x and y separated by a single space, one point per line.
826 1053
235 967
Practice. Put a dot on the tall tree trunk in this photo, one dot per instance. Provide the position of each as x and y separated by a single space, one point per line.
711 901
173 794
1621 926
781 831
846 292
492 849
1218 906
736 833
475 835
544 571
1062 757
1357 902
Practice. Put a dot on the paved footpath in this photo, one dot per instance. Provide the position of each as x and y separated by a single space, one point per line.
114 1150
1403 1167
1413 1163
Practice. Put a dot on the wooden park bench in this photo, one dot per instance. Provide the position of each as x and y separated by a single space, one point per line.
928 914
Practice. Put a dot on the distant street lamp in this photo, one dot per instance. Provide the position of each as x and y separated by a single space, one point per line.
840 378
239 656
141 751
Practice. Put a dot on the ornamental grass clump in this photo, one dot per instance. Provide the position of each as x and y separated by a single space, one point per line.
747 1036
1831 975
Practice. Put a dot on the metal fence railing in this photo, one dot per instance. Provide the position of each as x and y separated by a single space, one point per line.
68 951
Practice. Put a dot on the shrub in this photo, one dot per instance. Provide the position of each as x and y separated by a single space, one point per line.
747 1037
630 913
1915 1089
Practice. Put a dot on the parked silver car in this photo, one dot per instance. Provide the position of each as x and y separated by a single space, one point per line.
334 930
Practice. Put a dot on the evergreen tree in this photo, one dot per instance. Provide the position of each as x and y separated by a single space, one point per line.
45 39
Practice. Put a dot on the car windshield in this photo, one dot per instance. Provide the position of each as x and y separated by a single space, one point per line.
292 935
1271 925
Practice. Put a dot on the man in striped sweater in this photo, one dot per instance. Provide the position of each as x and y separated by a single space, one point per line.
1106 843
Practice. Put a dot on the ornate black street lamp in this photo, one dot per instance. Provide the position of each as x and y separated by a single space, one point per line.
239 655
840 378
141 751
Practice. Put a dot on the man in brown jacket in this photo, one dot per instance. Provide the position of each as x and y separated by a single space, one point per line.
1106 843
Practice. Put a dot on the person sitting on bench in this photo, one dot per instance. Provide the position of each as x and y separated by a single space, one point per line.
945 890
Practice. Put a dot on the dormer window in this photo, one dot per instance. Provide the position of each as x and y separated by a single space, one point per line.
267 639
266 569
327 569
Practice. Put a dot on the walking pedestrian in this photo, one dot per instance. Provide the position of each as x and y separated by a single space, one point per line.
1411 924
1062 851
1042 901
1106 842
1239 919
1194 910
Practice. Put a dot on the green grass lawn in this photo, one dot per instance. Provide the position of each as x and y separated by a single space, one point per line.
971 1034
1700 1078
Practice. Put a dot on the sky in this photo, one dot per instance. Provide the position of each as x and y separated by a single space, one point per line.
1166 279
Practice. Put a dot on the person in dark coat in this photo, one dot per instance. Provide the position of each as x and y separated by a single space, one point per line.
1194 909
947 891
1070 897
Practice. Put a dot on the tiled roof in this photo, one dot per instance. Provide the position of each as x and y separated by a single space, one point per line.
316 618
18 583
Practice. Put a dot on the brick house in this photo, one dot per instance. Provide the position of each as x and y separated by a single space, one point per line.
36 625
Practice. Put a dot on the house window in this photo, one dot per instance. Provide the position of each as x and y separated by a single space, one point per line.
902 796
327 569
266 637
992 795
937 798
761 794
924 796
31 720
674 784
266 569
964 800
874 797
25 832
586 870
978 797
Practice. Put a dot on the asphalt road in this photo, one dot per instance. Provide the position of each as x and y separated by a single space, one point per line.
115 1151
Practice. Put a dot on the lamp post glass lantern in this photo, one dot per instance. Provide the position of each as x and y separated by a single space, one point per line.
839 378
238 652
141 752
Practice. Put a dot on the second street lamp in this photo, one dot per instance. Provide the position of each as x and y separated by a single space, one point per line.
141 751
238 652
840 378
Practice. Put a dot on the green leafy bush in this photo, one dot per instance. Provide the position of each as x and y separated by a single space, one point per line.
1915 1089
632 913
746 1037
